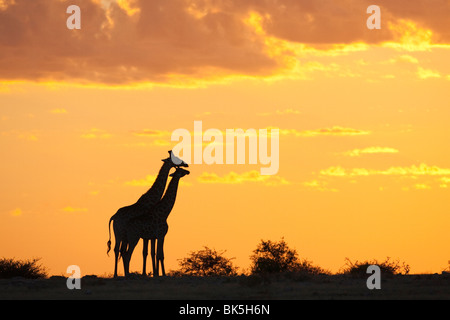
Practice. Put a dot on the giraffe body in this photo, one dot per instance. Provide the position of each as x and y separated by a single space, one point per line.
143 206
153 226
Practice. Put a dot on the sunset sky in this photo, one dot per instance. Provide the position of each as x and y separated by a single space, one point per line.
86 116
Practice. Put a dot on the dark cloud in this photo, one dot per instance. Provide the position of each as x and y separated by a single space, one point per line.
170 39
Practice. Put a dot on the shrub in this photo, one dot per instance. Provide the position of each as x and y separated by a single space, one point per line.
276 257
206 262
30 269
386 267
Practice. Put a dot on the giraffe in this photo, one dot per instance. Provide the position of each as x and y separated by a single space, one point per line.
142 206
153 226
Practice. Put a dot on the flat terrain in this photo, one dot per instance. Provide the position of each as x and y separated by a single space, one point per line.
284 287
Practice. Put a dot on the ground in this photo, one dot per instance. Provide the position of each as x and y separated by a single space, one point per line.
286 287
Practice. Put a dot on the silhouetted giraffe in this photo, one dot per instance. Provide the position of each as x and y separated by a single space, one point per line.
153 226
142 206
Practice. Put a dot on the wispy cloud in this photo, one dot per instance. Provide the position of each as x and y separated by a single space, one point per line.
16 212
444 182
421 170
239 178
158 138
144 182
22 135
369 150
422 186
318 185
58 111
148 181
283 112
423 73
333 131
73 209
96 134
404 58
152 133
28 136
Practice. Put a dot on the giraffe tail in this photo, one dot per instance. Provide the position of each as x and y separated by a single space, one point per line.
109 241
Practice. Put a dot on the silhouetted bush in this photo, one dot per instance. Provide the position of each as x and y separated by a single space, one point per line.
30 269
206 262
386 267
277 257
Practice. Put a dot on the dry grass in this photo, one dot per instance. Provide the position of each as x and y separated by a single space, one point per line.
280 286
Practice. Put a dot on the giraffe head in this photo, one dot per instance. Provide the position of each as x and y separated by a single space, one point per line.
179 172
175 161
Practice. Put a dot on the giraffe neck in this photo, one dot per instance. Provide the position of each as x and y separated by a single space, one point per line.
154 194
167 202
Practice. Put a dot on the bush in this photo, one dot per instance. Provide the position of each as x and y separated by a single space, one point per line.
206 262
30 269
386 267
277 257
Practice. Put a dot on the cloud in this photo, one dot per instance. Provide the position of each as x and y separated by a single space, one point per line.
425 177
160 42
58 111
318 186
422 186
333 131
72 209
369 150
145 182
284 112
128 7
16 212
444 182
181 42
413 170
408 59
148 181
95 133
28 136
22 135
161 138
236 178
423 73
152 133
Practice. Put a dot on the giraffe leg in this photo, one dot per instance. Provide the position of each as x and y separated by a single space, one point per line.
126 253
127 256
144 256
152 252
160 256
116 257
122 254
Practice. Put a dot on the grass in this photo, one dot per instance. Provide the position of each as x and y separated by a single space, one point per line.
284 286
27 279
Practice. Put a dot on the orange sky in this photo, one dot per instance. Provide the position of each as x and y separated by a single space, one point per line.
86 115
